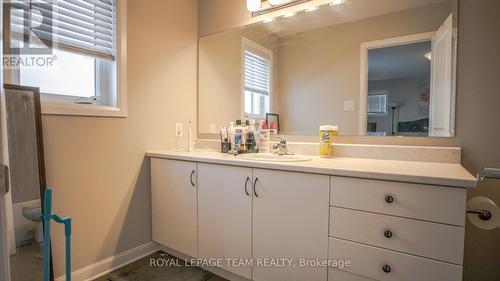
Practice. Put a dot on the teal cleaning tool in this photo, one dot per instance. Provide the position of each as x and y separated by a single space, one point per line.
47 216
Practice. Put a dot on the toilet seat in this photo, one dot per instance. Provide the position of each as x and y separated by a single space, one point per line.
34 214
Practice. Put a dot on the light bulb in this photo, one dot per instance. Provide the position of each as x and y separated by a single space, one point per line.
275 2
311 9
336 2
253 5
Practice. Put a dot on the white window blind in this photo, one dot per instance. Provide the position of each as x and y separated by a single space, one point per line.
84 26
377 104
257 73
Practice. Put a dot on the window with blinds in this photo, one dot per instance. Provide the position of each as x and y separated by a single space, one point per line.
83 26
257 82
377 103
79 38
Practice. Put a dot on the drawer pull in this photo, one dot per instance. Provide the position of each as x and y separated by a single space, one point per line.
246 184
191 178
389 199
386 268
254 189
388 234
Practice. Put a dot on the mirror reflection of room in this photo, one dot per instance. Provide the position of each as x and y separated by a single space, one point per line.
376 70
399 90
27 180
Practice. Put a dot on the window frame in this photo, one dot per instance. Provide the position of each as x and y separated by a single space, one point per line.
378 93
247 44
53 104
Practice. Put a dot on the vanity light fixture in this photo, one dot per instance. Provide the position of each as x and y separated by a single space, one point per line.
275 2
336 2
253 5
311 9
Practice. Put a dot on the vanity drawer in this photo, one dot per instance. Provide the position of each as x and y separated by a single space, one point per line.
425 202
370 262
427 239
339 275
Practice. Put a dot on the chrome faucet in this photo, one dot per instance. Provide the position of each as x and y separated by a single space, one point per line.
281 148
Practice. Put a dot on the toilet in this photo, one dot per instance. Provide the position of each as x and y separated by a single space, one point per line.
34 214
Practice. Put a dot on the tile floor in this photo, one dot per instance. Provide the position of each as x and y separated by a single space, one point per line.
27 263
142 271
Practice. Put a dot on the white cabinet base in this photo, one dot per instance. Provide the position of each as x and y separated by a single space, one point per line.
174 204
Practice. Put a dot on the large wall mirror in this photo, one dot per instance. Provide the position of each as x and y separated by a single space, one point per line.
372 67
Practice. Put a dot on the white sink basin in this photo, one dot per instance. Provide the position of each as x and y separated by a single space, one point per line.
273 157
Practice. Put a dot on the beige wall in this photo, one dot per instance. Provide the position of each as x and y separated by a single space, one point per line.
219 15
478 120
96 165
319 69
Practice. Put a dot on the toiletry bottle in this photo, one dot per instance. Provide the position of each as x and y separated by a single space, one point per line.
190 138
238 137
231 134
272 128
251 138
326 136
264 137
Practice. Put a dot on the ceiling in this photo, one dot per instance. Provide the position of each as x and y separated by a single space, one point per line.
350 10
402 61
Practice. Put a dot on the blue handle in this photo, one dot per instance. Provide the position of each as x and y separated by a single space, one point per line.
47 217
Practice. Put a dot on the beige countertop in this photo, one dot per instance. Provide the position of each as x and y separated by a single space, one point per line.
444 174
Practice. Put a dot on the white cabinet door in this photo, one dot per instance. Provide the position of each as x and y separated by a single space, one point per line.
290 221
174 204
225 214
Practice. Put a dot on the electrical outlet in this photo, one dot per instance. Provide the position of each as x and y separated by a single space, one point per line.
178 129
349 105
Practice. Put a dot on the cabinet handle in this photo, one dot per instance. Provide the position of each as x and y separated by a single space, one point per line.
246 185
389 199
255 190
191 178
386 268
388 234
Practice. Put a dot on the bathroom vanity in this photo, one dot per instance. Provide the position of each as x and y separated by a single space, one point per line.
390 219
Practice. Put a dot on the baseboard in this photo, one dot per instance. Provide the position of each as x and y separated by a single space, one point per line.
96 270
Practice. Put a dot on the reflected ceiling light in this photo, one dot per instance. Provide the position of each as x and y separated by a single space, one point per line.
336 2
268 20
291 14
429 56
275 2
311 9
253 5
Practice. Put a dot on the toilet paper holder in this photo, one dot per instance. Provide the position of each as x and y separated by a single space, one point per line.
488 173
483 215
485 173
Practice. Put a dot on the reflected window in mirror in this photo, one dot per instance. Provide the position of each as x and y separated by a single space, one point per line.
257 77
